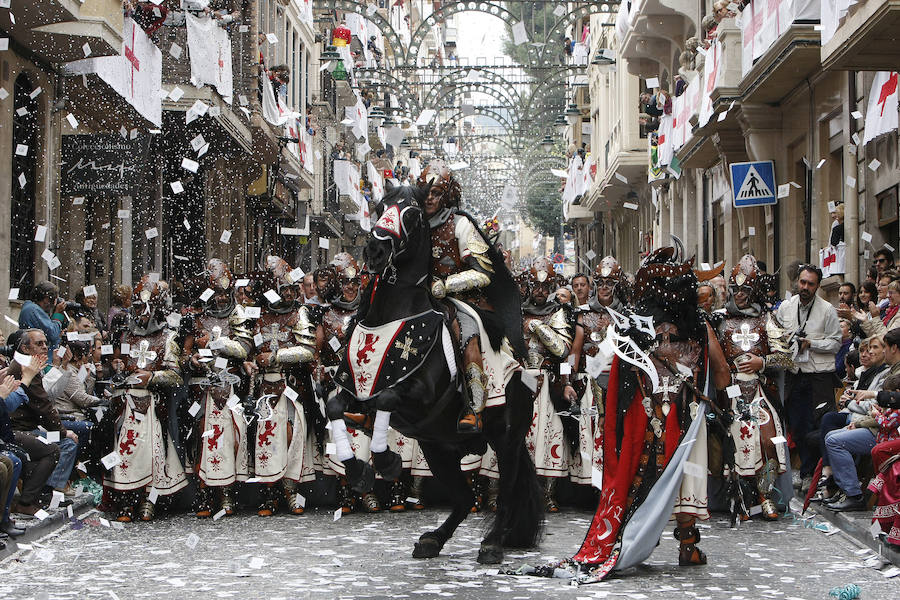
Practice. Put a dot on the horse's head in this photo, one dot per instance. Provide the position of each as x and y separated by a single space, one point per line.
396 235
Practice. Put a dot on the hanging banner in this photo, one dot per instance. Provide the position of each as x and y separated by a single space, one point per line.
710 81
107 165
881 114
136 74
210 51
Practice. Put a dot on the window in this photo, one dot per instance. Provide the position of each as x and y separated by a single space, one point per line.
21 222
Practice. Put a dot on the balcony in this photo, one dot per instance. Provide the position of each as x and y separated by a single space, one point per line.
775 62
57 31
865 39
657 29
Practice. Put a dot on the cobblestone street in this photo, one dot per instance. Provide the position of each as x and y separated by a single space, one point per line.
368 556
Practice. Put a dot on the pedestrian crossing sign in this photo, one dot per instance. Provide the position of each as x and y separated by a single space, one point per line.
753 183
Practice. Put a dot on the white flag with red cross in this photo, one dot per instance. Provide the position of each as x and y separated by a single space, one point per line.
881 116
210 51
136 74
274 112
709 81
306 151
360 117
306 12
376 180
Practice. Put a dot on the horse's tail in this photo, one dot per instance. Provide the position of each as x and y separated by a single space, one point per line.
519 521
520 504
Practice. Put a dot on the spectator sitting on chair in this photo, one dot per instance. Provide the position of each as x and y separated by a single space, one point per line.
38 411
37 459
874 372
857 439
70 393
12 457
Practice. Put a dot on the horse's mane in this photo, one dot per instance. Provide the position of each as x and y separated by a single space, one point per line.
412 195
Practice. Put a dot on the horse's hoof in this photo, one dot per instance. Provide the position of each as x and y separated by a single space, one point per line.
389 464
490 555
360 475
428 546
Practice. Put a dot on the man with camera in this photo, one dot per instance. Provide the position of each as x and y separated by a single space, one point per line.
809 386
44 310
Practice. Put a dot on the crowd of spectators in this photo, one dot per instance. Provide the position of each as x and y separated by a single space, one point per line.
50 398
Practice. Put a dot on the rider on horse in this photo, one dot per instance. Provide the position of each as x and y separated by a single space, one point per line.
461 269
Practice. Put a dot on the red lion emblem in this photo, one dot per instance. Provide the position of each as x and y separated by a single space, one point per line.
213 441
367 347
128 443
269 432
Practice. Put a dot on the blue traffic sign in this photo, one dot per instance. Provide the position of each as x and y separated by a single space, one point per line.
753 183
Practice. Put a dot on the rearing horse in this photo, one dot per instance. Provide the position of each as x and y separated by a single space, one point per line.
400 364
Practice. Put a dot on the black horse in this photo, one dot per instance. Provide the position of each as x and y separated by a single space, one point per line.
425 402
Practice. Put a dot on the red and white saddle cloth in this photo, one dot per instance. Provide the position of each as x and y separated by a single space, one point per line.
380 357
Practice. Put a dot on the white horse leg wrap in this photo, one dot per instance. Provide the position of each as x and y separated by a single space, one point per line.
379 430
341 440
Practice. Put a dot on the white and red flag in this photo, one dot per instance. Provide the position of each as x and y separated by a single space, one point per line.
136 74
210 51
881 116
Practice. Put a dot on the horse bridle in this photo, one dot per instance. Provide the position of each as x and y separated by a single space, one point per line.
389 271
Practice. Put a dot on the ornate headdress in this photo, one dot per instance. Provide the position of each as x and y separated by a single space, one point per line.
152 294
220 277
745 274
345 266
281 271
608 268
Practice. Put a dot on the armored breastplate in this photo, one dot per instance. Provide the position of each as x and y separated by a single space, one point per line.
334 324
740 335
277 331
146 352
213 327
672 394
594 325
445 258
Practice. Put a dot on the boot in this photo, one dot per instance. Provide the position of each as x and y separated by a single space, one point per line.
476 382
398 496
415 492
146 511
477 484
267 501
345 496
123 504
203 502
125 513
293 498
550 494
493 492
769 511
371 503
688 536
228 502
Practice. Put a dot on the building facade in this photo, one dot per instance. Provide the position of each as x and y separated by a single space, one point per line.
150 139
680 91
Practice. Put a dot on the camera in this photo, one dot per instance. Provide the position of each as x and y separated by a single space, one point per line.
7 350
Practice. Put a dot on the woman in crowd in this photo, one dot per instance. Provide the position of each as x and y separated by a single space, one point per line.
71 393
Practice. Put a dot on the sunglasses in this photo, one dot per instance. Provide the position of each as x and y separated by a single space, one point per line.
878 261
741 288
607 283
